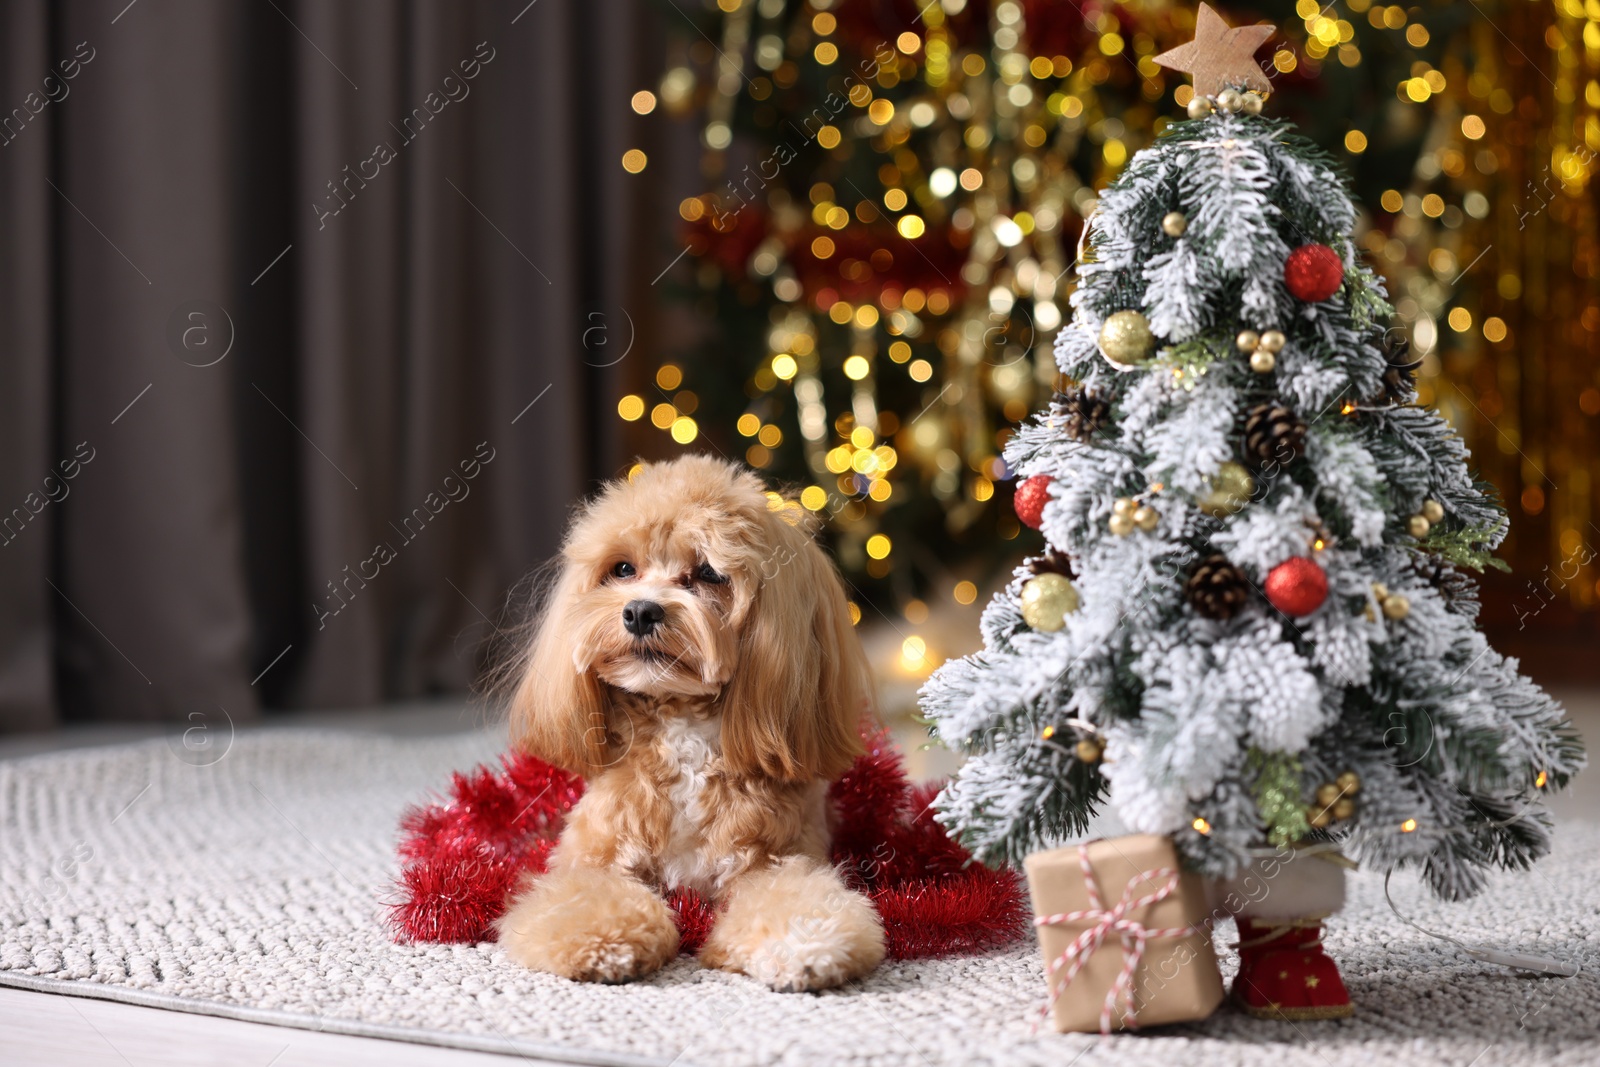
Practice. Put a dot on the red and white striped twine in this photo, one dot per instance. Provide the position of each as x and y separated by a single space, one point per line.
1132 933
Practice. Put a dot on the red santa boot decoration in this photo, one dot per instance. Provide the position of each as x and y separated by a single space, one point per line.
1280 904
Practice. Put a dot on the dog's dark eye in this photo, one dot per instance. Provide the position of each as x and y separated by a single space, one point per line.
623 569
707 573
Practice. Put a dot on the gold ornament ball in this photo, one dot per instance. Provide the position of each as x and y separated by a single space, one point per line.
1396 606
1379 591
1349 782
1262 361
1047 601
1418 526
1088 750
1230 100
1231 489
1199 107
1121 525
1248 340
1145 517
1273 341
1122 506
1125 337
1320 818
1253 102
1432 510
1173 224
1344 808
1327 794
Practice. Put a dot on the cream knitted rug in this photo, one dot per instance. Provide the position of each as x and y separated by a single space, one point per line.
252 887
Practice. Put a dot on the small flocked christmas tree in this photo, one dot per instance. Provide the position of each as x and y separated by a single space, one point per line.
1251 626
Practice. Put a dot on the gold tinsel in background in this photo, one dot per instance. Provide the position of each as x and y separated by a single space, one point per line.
886 283
1491 251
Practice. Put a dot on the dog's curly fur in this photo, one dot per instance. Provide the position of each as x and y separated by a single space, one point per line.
707 743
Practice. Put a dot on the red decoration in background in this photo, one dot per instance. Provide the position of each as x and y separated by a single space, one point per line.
1313 272
868 260
1052 28
1296 586
1031 496
463 857
870 27
728 237
861 267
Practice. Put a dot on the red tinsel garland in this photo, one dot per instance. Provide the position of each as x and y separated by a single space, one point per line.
461 858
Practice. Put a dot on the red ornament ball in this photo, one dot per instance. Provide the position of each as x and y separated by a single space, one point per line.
1296 586
1031 496
1313 272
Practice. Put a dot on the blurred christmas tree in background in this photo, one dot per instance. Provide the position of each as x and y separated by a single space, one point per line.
891 195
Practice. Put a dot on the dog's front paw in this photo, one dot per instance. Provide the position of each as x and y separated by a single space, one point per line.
606 957
813 954
797 928
590 926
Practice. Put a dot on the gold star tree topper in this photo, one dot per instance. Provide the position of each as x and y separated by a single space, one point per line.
1220 56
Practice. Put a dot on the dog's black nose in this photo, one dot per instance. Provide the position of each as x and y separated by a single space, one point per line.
641 617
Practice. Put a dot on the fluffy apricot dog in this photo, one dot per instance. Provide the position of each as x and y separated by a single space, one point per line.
696 664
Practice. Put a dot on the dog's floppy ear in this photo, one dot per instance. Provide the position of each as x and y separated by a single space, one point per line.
794 706
558 712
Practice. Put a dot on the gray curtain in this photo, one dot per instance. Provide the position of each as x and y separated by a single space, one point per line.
279 281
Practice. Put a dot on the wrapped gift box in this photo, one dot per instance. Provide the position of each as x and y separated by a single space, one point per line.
1125 933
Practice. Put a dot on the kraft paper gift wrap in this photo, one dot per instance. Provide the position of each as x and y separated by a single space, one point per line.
1136 906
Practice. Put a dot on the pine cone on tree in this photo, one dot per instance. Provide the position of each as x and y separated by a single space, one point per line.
1273 435
1399 386
1080 412
1458 590
1217 588
1053 561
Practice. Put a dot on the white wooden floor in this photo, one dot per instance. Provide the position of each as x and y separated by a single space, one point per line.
43 1030
40 1030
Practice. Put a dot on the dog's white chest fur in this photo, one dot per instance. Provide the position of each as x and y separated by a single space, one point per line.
692 744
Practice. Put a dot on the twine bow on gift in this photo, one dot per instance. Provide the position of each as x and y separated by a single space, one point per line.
1103 921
